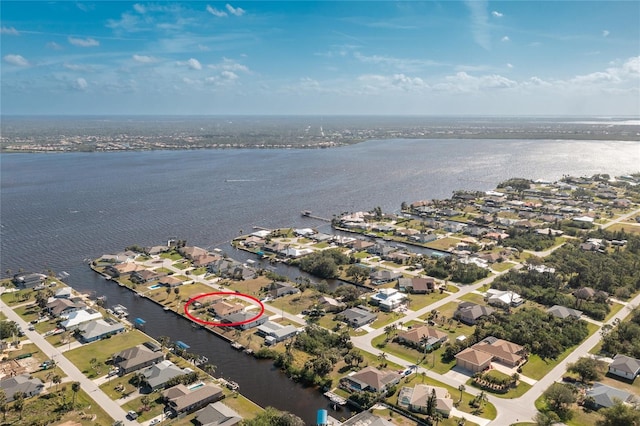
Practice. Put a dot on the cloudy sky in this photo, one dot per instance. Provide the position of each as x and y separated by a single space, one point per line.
331 57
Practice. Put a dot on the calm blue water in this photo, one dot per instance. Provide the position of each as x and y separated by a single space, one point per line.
58 209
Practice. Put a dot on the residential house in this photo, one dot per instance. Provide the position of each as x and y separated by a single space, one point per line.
388 299
253 241
563 312
73 319
205 260
122 269
222 308
358 316
21 383
182 400
417 399
502 351
504 298
192 252
144 276
28 280
370 379
99 329
279 289
625 367
473 360
170 281
245 320
417 285
367 418
424 238
605 396
58 307
469 313
217 414
157 375
274 332
330 304
379 249
423 338
63 293
382 276
587 293
135 358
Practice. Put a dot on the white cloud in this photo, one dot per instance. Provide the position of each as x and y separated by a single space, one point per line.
375 83
509 66
17 60
192 63
401 64
605 33
505 39
76 67
229 65
497 14
235 10
203 47
144 59
83 42
465 83
229 75
80 84
140 8
479 22
9 31
53 46
216 12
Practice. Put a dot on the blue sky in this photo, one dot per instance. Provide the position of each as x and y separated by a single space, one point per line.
308 57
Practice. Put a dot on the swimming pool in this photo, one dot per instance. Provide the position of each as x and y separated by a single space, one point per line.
153 287
196 386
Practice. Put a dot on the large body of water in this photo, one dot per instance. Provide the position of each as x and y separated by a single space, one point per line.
59 209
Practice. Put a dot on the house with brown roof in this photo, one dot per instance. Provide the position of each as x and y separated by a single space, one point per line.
135 358
170 281
181 399
57 307
423 338
473 360
192 252
122 269
417 285
370 379
502 351
222 308
144 276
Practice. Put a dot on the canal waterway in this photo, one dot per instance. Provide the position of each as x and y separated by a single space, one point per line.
57 210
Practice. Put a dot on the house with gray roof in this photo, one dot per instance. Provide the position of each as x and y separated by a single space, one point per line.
157 375
21 383
564 312
367 418
357 316
135 358
252 317
625 367
217 414
99 329
605 396
469 313
274 332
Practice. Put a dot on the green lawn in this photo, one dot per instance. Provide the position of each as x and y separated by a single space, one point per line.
615 308
173 255
114 383
103 349
502 266
432 361
155 407
516 392
475 298
181 265
419 301
296 303
199 271
442 243
385 318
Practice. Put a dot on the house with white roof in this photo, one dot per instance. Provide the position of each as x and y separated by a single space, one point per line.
75 318
503 298
388 299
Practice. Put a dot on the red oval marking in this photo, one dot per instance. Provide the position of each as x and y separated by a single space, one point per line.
220 324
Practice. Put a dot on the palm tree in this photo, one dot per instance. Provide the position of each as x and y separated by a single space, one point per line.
75 387
57 380
461 388
145 402
382 357
209 368
18 402
3 400
164 341
437 417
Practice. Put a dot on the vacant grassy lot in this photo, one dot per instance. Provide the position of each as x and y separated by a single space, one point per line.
104 349
442 243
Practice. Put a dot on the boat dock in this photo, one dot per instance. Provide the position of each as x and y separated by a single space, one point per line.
308 213
335 399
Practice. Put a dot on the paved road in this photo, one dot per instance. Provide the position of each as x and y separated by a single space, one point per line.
111 407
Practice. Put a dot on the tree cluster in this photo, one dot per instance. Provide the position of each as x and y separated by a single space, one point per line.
272 417
624 338
8 329
448 267
529 240
323 264
541 333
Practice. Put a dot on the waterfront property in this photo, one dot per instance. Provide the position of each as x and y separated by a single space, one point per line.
156 376
135 358
99 329
370 379
274 332
182 400
241 317
217 414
